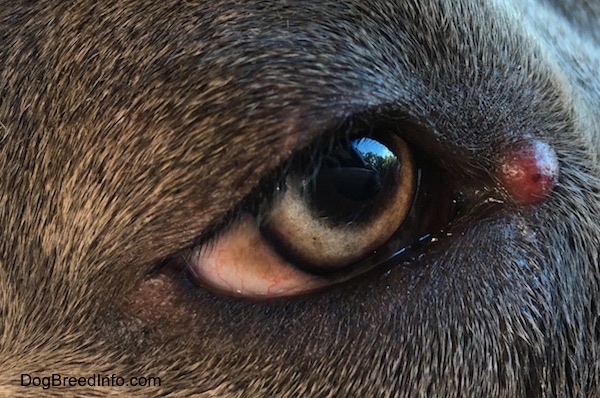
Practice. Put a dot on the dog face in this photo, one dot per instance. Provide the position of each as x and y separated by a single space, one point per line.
138 137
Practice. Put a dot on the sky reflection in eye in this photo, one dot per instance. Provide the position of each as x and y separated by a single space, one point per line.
374 153
368 145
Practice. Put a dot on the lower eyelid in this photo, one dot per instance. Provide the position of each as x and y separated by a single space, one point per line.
240 262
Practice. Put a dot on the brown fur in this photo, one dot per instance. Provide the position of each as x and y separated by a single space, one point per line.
129 130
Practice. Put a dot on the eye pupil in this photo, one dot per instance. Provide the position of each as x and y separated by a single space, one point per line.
350 180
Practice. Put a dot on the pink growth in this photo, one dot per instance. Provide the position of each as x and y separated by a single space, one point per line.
529 171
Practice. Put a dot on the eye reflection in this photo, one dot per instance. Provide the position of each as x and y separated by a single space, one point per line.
350 180
374 153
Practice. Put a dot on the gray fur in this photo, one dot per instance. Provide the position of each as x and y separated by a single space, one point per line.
130 129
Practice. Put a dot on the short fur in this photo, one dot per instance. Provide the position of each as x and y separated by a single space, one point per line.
129 130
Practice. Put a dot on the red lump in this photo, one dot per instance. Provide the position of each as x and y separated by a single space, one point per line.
528 170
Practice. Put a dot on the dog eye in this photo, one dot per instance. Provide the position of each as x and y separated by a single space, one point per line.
328 222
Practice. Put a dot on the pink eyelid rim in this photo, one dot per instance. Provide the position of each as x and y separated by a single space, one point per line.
242 263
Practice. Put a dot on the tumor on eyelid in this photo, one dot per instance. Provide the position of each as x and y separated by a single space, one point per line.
241 262
157 300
